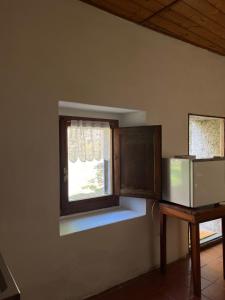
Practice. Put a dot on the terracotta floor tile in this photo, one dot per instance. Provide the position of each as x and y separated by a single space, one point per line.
210 274
176 284
205 283
214 292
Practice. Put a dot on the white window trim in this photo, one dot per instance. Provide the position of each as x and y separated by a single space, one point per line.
130 208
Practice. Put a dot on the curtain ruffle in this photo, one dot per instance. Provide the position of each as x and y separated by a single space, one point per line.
88 140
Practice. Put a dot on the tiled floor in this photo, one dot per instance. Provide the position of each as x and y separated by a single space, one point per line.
177 283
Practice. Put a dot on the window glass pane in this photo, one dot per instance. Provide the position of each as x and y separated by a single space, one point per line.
89 160
206 136
210 230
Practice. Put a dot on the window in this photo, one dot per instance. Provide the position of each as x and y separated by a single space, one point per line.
206 140
100 162
87 166
206 136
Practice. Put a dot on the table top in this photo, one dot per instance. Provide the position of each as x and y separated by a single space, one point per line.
194 215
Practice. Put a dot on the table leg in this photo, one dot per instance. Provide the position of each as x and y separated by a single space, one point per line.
195 258
162 242
223 236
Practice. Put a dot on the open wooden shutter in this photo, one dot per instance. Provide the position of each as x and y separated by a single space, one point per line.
139 152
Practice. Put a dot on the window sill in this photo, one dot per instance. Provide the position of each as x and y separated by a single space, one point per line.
86 221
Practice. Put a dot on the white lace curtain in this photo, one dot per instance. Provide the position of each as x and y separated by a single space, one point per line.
88 140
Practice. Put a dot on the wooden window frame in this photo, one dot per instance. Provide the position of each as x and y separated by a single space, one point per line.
86 205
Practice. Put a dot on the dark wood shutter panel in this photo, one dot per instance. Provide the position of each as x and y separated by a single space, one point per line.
140 162
116 161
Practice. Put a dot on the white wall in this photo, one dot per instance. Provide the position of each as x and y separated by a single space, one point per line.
65 111
64 49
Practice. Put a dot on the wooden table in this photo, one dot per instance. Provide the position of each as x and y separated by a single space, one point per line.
194 216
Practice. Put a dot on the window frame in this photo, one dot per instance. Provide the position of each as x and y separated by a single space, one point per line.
206 116
213 241
85 205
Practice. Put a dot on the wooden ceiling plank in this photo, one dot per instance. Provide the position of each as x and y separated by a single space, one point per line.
126 9
219 4
165 2
152 5
208 10
192 14
183 33
193 27
164 7
176 36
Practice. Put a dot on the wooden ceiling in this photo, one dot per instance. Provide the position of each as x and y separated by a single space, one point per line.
199 22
